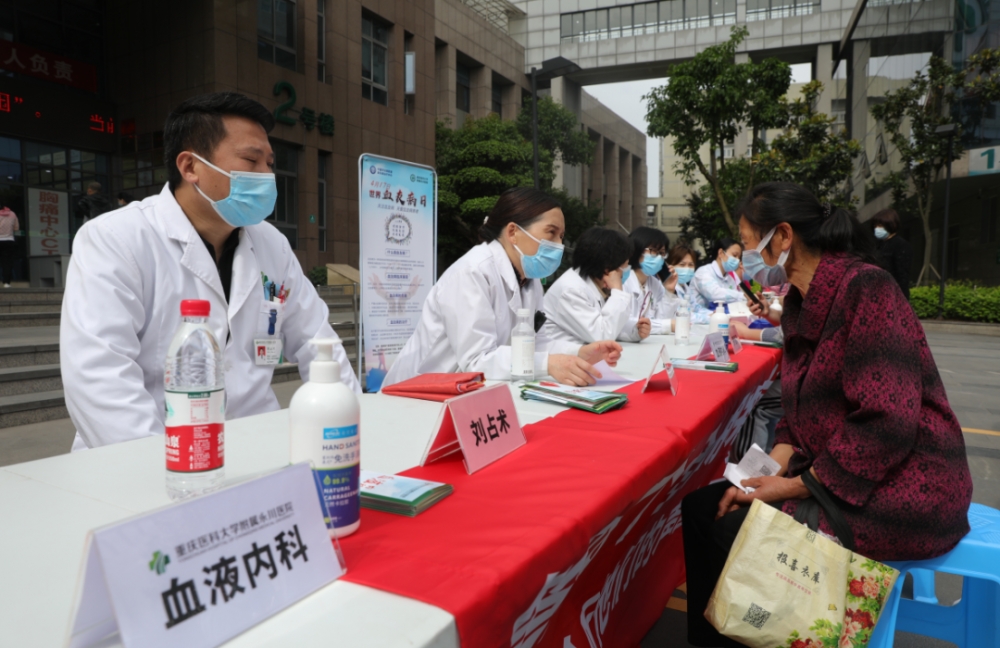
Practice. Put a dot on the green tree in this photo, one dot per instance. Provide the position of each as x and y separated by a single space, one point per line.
807 152
708 101
911 114
559 132
478 162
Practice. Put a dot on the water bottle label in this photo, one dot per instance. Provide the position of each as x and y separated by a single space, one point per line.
522 357
338 487
195 430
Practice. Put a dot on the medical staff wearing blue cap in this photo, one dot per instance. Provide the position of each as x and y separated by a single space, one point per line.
202 237
470 312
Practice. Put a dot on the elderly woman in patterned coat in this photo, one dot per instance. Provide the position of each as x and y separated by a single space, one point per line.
865 410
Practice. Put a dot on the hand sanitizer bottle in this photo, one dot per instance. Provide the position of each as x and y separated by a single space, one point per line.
719 323
324 418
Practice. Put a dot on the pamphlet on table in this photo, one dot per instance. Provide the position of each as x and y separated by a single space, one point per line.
400 495
588 400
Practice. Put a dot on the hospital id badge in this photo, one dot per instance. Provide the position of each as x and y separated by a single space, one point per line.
267 351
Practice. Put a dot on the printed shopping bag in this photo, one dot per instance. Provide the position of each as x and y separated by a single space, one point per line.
786 586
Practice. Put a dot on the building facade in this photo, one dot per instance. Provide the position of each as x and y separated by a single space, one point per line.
86 86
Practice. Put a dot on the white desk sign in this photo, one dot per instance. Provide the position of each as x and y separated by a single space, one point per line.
667 366
202 571
713 348
737 344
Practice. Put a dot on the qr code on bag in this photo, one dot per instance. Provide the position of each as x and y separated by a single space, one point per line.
756 616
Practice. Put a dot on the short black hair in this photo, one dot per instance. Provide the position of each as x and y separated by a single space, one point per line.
888 219
724 244
196 125
643 238
520 205
600 250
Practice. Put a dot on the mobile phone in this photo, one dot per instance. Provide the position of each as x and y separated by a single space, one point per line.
749 293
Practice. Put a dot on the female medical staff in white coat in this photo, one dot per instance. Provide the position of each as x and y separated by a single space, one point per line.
676 279
714 283
587 302
649 299
470 312
132 267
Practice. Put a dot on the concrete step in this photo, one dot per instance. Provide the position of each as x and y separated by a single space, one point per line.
30 306
11 320
34 394
51 295
38 407
28 355
29 380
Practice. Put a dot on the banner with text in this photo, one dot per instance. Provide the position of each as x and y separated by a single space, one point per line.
398 227
48 222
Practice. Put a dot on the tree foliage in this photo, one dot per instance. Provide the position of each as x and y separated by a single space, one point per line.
485 157
911 114
807 152
558 132
709 100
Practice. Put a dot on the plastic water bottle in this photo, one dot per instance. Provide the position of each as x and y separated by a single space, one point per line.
522 347
682 322
196 405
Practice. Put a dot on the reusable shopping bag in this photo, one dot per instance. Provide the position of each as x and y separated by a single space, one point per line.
786 586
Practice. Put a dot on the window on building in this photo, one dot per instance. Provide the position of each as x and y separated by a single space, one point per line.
321 40
654 17
286 171
276 32
989 220
321 206
497 103
463 88
954 237
374 60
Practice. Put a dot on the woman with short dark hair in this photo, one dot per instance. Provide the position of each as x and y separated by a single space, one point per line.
718 281
587 302
470 312
865 410
894 252
649 299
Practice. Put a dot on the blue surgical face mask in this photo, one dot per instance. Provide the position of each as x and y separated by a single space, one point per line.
755 268
626 273
542 263
651 264
881 233
730 264
684 275
251 196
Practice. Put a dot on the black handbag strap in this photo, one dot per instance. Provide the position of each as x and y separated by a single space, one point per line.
833 515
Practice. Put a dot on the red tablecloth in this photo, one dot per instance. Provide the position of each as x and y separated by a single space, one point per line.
575 536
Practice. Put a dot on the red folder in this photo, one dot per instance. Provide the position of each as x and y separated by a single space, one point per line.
437 386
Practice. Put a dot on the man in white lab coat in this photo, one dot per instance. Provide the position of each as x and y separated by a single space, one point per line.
202 237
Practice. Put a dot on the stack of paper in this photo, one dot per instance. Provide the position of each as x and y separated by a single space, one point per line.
588 400
400 495
755 463
705 365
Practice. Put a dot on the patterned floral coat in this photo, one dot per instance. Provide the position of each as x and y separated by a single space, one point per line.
865 406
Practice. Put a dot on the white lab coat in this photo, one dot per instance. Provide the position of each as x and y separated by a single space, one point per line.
650 301
129 271
577 312
710 285
467 320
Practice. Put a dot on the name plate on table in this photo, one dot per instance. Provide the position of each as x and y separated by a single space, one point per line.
482 425
713 348
202 571
667 365
737 344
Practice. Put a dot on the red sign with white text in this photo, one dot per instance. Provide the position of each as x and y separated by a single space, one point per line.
18 57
